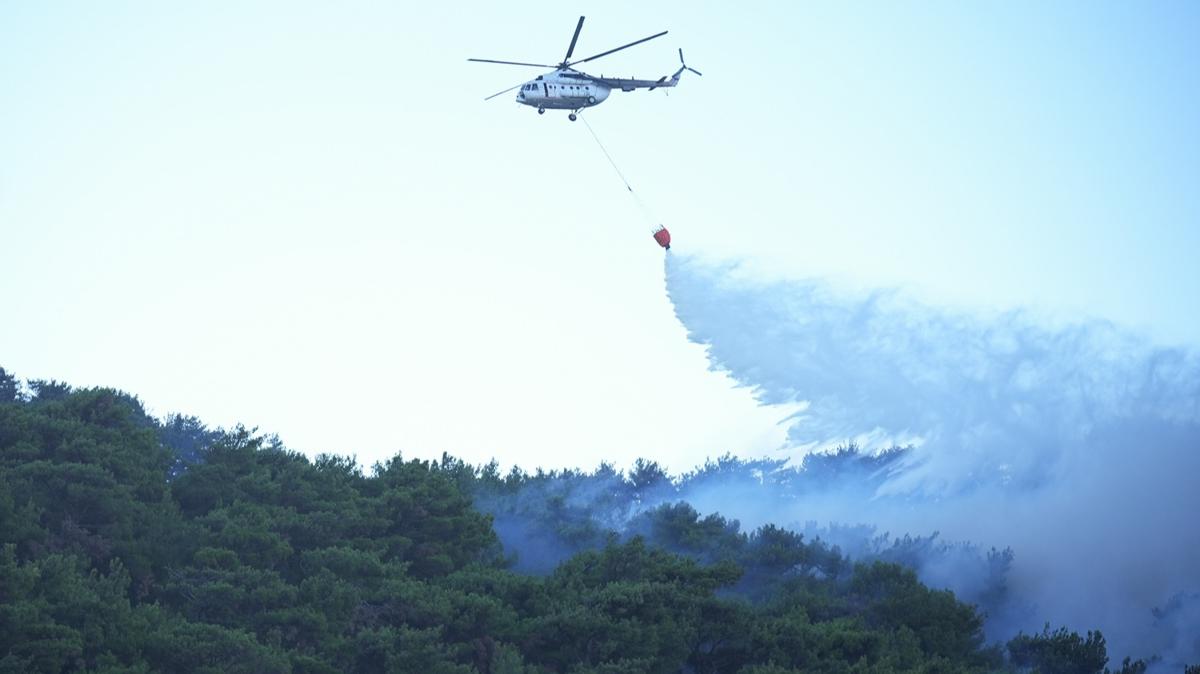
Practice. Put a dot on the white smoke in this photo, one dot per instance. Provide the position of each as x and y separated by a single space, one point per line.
1077 446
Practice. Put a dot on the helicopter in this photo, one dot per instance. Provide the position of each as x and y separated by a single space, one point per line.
569 89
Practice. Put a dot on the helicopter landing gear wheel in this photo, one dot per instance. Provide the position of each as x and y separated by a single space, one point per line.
591 100
541 111
572 117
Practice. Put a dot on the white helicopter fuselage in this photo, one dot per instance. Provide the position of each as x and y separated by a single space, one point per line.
566 88
553 91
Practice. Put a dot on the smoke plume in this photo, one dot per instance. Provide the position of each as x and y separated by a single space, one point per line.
1077 447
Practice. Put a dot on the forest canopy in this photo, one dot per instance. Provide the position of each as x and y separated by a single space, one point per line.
132 544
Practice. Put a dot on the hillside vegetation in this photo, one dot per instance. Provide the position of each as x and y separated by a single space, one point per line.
134 545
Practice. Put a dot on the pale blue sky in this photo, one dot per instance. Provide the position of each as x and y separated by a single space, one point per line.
303 216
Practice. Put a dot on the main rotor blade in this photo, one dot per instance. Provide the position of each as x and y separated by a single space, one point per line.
606 53
571 49
513 63
502 92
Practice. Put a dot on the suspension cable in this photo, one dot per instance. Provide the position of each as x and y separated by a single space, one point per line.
637 199
606 154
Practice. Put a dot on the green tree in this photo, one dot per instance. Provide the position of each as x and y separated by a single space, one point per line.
10 388
894 598
48 391
1060 652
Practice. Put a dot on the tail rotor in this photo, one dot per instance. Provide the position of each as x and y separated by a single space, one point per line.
685 65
